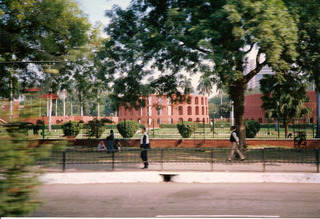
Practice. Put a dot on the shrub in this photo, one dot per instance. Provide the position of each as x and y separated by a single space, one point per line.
186 129
252 128
163 126
105 120
96 128
128 129
71 128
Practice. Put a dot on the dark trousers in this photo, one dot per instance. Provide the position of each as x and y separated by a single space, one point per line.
144 156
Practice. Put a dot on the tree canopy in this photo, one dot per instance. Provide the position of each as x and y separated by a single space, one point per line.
211 37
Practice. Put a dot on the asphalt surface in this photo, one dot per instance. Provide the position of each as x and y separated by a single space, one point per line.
180 200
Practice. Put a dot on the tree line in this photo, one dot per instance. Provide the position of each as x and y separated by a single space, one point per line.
151 44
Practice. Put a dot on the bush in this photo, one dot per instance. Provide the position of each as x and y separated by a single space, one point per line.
186 129
128 129
252 128
105 120
163 126
71 128
96 128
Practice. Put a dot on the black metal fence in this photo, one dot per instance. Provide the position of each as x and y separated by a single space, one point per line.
208 159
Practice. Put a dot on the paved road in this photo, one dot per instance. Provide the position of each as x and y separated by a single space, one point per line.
180 200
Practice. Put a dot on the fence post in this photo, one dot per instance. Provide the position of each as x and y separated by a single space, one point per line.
211 159
64 161
112 160
264 159
161 155
317 159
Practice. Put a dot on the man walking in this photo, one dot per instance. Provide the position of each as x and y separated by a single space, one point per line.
234 144
144 145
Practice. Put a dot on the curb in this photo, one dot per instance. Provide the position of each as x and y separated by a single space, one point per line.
177 177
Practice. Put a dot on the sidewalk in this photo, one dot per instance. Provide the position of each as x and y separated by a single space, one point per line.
232 173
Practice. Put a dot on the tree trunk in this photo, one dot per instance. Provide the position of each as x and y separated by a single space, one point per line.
98 97
81 105
11 98
286 128
237 95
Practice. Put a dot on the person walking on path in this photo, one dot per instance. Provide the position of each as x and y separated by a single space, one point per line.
144 145
234 144
110 140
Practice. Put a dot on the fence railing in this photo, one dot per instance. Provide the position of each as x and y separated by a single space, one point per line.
209 159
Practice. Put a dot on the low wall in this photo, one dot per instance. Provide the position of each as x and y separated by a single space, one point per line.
190 143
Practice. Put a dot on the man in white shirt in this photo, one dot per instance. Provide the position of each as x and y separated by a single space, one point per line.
144 145
234 144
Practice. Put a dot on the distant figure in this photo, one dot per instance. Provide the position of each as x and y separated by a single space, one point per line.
211 125
144 145
101 146
289 135
110 139
234 144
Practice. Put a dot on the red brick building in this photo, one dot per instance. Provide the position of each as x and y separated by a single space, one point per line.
161 110
254 111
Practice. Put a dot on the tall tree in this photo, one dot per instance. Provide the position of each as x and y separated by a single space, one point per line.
38 30
186 85
284 99
207 36
205 85
307 13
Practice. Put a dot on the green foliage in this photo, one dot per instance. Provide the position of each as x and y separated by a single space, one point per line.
19 176
186 129
96 128
212 38
71 128
128 128
224 110
284 97
168 126
252 128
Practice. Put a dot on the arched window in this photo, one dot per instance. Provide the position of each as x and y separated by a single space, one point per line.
159 121
202 102
139 121
150 111
197 110
190 119
206 110
150 100
203 110
160 100
196 100
169 121
198 120
189 100
180 119
180 110
189 110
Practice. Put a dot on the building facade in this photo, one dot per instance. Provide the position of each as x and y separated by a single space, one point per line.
162 110
254 82
254 111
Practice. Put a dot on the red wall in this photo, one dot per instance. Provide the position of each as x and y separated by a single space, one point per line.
254 111
190 143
